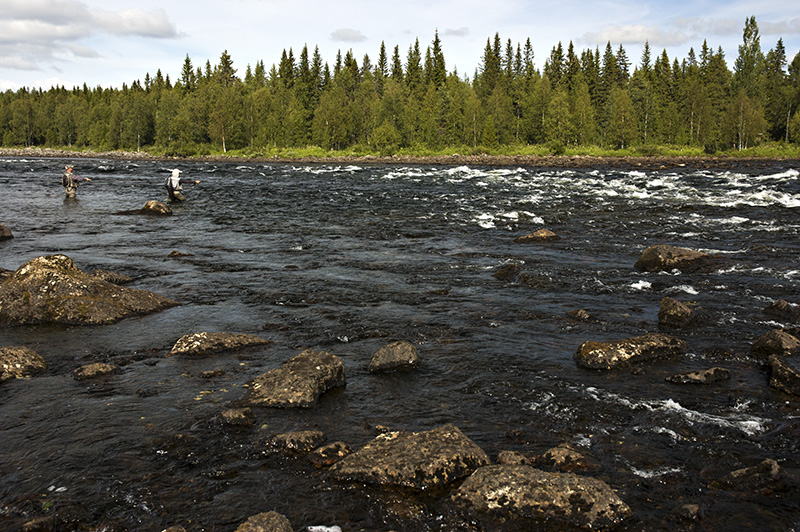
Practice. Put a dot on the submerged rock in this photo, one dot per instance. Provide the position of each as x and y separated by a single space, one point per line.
112 277
541 235
619 353
5 233
559 498
766 477
776 342
785 374
420 460
783 310
327 455
705 376
17 362
266 522
51 289
396 355
242 417
668 258
205 343
676 315
298 382
295 443
95 370
566 459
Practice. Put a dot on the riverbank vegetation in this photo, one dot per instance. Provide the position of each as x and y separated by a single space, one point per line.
579 103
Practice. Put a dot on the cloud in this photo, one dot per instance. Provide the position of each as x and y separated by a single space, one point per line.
348 35
636 34
787 27
135 22
460 32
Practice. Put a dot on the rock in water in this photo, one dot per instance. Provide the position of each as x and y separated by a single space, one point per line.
157 208
266 522
205 343
785 374
5 233
558 498
619 353
18 362
298 382
420 460
668 258
51 289
541 235
396 355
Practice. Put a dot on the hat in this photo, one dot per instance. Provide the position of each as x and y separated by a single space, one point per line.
175 172
67 167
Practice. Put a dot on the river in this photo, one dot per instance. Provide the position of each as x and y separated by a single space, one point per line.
349 258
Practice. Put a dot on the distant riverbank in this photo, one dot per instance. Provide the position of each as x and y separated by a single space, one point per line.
551 161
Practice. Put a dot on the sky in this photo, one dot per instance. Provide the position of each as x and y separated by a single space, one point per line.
108 43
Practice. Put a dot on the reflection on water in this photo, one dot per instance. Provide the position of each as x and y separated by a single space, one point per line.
347 259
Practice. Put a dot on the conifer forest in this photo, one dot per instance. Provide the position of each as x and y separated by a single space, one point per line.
407 100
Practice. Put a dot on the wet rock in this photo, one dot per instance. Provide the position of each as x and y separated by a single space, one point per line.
541 235
676 315
52 289
580 315
95 370
5 274
705 376
668 258
111 277
420 460
566 459
783 310
766 477
242 417
5 233
298 382
296 443
206 343
777 342
558 498
785 374
397 355
17 362
175 253
688 512
508 273
327 455
176 528
513 458
620 353
266 522
156 208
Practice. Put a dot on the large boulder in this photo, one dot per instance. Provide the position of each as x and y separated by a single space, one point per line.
619 353
668 258
396 355
298 382
785 374
522 491
17 362
51 289
420 460
205 343
776 342
5 233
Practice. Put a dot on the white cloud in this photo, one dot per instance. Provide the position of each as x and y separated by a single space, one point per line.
460 32
636 34
135 22
348 35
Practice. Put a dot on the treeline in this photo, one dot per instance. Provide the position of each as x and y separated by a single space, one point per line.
412 102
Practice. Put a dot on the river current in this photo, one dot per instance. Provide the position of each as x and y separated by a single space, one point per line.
349 258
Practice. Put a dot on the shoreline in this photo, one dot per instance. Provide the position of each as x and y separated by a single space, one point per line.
656 162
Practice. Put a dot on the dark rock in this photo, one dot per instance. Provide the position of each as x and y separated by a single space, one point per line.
5 233
558 498
668 258
776 342
95 370
396 355
295 443
111 277
266 522
298 382
5 274
420 460
206 343
508 273
565 459
676 315
705 376
327 455
766 477
579 314
52 289
238 416
689 512
175 253
513 458
783 310
785 374
18 362
541 235
619 353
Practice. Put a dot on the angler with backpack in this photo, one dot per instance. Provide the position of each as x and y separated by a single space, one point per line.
70 181
174 183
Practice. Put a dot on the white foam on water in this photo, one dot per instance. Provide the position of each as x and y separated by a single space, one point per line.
641 285
654 473
683 288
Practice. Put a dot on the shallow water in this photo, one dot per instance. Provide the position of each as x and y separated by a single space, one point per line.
347 259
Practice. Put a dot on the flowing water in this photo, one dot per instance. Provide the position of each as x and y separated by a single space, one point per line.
350 258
